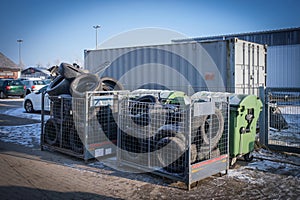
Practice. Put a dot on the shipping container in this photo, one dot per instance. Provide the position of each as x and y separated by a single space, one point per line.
231 65
284 66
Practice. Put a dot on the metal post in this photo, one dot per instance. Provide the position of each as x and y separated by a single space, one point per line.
42 122
263 118
20 59
96 28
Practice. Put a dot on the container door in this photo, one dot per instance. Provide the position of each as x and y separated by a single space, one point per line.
249 67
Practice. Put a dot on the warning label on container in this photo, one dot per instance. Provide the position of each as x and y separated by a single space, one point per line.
108 151
99 152
102 100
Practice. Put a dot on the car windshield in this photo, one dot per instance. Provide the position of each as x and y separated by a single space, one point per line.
14 83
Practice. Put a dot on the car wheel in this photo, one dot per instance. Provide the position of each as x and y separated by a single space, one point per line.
248 157
28 106
2 95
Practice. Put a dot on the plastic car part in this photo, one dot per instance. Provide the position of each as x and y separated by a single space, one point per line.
139 110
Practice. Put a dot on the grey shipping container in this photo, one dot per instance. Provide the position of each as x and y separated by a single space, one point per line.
283 66
231 65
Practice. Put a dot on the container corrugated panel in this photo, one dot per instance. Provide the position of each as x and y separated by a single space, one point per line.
188 67
283 66
250 67
289 36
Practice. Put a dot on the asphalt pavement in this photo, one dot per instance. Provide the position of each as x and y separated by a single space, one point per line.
8 120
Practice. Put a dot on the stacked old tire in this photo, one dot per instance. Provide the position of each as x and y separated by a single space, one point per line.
140 123
207 131
154 129
66 91
167 136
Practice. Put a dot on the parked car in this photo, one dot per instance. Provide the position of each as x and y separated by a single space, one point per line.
33 101
12 87
47 81
33 85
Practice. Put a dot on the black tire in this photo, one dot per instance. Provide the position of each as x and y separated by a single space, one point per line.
217 128
76 144
66 130
61 106
52 128
69 71
105 118
170 130
28 106
84 83
171 154
58 86
2 95
196 124
109 84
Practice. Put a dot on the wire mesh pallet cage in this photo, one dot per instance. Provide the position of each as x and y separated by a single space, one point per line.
82 127
280 119
182 138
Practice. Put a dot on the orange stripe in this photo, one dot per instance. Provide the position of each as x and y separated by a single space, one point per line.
95 145
209 161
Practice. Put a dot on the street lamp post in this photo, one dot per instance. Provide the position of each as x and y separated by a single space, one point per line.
96 28
20 59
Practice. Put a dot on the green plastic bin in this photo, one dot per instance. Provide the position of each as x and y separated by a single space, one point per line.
244 113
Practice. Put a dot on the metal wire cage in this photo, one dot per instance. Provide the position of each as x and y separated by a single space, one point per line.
180 139
82 127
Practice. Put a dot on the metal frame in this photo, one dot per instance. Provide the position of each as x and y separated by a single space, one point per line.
194 170
84 121
265 118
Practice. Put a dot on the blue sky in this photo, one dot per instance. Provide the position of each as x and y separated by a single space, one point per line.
55 31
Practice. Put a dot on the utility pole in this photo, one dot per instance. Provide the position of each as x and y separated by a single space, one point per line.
20 59
96 28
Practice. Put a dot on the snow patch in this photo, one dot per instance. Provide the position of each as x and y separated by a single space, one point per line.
27 135
20 112
245 176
